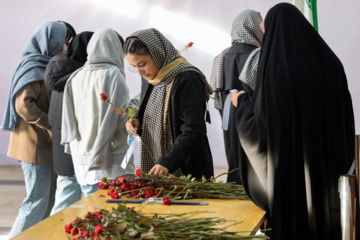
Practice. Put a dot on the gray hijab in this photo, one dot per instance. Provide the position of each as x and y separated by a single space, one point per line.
104 50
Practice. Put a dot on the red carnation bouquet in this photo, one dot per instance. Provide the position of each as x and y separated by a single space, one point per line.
170 188
126 223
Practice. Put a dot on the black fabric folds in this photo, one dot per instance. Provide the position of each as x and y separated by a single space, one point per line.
297 130
77 47
56 75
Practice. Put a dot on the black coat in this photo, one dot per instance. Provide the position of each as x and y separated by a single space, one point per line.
191 150
297 130
56 75
235 59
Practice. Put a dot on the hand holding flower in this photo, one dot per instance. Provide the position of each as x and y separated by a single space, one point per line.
133 126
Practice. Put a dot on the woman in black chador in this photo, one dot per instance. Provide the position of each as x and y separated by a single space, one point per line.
297 130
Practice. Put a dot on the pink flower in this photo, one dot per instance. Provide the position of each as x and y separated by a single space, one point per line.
138 172
166 201
98 229
103 97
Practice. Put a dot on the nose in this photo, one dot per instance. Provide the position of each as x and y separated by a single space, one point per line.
141 71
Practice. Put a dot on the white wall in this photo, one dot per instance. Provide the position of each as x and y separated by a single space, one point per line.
338 25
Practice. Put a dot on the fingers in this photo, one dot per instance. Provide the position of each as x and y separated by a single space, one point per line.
130 127
158 169
234 97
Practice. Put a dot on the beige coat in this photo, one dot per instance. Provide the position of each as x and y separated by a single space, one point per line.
31 140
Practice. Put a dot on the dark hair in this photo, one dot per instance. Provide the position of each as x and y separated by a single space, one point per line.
134 45
120 38
70 31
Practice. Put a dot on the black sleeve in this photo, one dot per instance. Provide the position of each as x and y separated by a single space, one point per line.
190 107
244 113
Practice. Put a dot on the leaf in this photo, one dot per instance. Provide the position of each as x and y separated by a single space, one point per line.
132 232
122 208
203 179
188 176
118 110
145 220
193 179
147 235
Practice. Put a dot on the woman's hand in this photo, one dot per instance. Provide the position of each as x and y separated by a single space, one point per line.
158 169
234 97
133 126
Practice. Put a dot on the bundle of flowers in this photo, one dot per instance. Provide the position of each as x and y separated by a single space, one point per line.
145 186
126 223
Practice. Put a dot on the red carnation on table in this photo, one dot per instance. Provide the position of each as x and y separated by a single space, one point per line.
85 234
68 228
98 229
115 195
75 231
166 200
138 172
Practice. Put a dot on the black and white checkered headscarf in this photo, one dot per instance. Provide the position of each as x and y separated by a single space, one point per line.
245 29
249 71
156 126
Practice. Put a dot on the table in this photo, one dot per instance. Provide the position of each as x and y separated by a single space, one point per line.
239 210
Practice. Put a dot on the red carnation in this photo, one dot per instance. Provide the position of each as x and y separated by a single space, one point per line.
166 201
98 214
138 172
103 97
85 234
190 44
98 229
75 231
114 183
122 179
115 196
111 191
68 228
101 185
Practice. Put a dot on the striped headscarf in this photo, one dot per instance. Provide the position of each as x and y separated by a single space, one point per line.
245 29
156 133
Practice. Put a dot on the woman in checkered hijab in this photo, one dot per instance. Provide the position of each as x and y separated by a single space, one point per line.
171 119
241 57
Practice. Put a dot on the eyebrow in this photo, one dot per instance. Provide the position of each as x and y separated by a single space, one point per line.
140 62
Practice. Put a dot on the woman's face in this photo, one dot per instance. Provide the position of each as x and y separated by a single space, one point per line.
143 64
